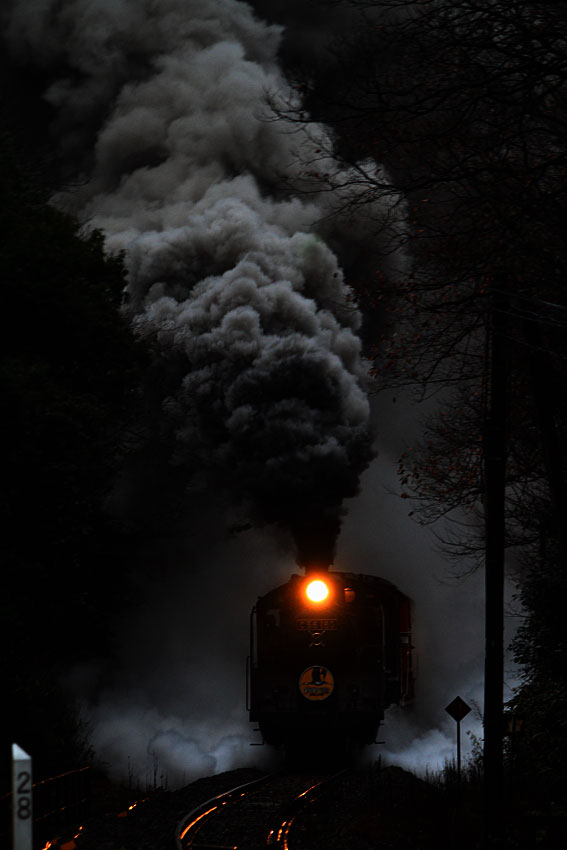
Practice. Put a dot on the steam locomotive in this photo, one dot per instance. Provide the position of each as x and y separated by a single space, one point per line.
329 652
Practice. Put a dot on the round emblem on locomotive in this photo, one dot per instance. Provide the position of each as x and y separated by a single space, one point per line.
316 683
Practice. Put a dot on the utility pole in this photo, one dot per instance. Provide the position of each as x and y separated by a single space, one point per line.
494 471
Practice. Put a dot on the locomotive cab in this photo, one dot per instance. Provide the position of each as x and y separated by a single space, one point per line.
329 652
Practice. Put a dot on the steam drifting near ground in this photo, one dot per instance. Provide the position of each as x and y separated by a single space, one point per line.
174 700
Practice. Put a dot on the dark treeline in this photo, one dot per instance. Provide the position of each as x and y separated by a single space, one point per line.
69 370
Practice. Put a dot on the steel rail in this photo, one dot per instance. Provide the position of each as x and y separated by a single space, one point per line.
192 822
278 835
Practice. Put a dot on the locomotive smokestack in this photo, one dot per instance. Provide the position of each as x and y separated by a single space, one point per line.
315 538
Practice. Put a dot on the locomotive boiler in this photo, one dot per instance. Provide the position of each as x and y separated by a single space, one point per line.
329 652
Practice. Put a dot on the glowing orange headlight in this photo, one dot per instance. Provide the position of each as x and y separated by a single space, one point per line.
317 591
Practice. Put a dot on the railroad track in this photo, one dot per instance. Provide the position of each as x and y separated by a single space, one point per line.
256 815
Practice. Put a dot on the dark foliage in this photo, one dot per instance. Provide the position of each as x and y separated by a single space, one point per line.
69 370
537 753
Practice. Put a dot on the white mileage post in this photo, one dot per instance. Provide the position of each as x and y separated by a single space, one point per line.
21 799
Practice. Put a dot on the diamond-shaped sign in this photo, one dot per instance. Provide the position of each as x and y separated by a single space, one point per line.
458 709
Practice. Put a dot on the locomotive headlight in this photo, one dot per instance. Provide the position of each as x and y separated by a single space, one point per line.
317 591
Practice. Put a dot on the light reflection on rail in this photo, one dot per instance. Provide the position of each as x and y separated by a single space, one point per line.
193 822
186 832
278 836
280 839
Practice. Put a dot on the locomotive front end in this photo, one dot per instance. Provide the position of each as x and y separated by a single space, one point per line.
327 657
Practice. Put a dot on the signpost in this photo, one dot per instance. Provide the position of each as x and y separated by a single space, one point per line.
458 709
21 799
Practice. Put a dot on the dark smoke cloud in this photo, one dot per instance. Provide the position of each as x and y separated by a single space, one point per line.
228 273
272 394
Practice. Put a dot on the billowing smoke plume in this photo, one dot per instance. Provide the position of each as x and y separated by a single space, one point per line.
271 392
226 227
